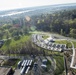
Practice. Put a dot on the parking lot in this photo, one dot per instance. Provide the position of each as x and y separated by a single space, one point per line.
35 66
47 43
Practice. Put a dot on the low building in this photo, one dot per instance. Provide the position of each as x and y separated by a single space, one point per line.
6 71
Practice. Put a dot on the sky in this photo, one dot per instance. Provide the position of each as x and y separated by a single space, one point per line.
13 4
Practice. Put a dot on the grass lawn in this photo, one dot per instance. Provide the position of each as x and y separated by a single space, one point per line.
61 41
69 45
59 64
66 42
74 42
45 37
13 43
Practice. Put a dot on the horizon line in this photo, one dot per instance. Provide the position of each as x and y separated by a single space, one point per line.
36 6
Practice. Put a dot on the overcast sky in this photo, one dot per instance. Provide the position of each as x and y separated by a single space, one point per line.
13 4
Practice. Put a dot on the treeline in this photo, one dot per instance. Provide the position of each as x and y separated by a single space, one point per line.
15 28
62 22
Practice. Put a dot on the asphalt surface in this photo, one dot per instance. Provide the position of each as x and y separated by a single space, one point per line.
54 35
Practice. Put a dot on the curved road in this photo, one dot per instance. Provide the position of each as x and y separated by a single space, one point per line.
73 57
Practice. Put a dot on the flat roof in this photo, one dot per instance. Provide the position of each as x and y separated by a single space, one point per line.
1 61
4 70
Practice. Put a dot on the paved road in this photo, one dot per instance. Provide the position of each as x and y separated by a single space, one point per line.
11 57
59 37
54 35
73 56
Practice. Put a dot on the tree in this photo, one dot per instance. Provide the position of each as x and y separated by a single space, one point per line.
7 34
25 30
73 33
61 31
1 34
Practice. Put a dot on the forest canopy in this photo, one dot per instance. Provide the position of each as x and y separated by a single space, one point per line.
62 22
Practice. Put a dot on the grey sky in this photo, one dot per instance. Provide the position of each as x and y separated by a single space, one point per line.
12 4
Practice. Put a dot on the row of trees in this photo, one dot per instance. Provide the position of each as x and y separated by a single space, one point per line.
16 29
19 28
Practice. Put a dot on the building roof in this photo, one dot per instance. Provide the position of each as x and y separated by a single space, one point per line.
4 70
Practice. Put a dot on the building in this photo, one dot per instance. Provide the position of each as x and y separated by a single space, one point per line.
6 71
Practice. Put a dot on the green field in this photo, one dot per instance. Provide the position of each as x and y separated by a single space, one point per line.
74 42
45 37
68 44
12 43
